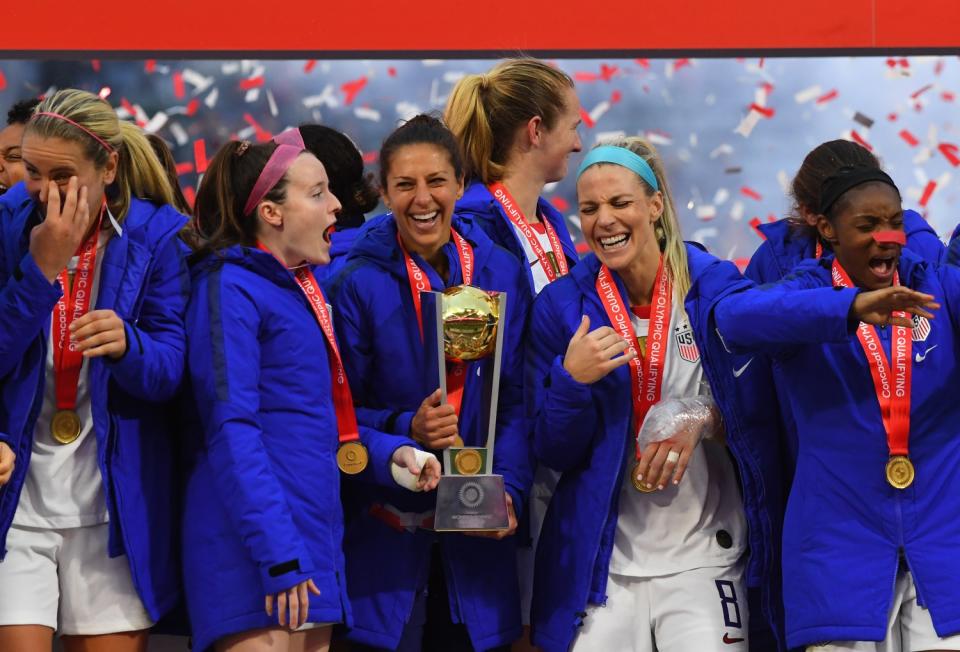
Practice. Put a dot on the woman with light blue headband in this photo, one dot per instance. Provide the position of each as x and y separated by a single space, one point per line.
647 525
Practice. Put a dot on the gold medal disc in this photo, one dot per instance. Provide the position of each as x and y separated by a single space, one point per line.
638 485
457 441
352 457
65 426
900 472
468 462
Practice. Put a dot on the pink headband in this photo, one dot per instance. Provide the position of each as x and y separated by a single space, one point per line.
890 237
97 138
278 164
290 137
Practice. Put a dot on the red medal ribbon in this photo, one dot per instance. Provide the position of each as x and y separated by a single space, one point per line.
456 374
818 250
67 359
502 195
892 394
342 397
646 374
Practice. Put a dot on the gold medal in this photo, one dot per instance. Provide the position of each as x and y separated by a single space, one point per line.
65 426
637 484
900 472
457 441
352 457
468 461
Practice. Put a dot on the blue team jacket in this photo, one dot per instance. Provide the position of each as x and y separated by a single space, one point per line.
953 249
584 432
377 326
844 524
263 508
478 204
785 247
144 280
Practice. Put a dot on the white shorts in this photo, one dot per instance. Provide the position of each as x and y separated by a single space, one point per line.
909 629
64 580
545 482
703 609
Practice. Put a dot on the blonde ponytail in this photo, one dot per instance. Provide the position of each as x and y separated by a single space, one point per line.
466 117
139 173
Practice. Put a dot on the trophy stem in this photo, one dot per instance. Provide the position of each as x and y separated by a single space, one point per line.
495 383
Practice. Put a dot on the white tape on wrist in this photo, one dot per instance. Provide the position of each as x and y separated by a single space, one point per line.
403 477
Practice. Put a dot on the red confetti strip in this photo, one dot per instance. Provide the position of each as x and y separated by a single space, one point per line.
129 107
392 71
150 65
644 63
755 223
309 65
909 138
200 155
179 90
615 97
95 64
190 195
607 72
351 88
767 87
192 106
928 192
252 82
751 193
948 96
859 139
184 168
760 63
920 92
680 63
937 69
949 151
826 97
559 203
3 81
587 120
585 77
892 117
765 111
371 157
262 134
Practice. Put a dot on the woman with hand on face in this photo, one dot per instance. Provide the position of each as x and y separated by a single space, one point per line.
869 543
412 588
93 289
517 125
643 543
263 523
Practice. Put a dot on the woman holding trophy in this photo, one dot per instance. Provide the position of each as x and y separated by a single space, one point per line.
412 587
647 517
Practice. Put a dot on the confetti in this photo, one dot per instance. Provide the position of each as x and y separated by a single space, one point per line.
746 191
909 138
179 90
826 97
949 152
863 120
352 88
309 65
927 193
200 155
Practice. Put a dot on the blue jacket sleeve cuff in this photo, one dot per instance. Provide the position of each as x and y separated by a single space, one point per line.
286 574
381 447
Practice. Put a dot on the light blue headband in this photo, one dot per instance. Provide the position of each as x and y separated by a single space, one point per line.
623 157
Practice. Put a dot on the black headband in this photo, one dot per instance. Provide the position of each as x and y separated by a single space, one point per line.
849 177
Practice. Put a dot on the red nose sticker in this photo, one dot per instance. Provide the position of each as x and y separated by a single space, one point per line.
890 237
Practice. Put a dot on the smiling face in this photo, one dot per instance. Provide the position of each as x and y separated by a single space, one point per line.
11 163
421 190
617 216
562 140
860 213
57 159
294 229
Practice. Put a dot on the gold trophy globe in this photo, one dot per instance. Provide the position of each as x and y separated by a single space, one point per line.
470 320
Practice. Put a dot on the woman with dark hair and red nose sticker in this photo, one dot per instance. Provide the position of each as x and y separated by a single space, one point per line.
866 356
263 524
93 290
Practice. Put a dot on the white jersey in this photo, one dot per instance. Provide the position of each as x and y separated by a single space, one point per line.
63 487
698 523
540 279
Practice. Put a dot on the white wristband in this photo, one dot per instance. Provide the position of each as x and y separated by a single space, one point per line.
403 477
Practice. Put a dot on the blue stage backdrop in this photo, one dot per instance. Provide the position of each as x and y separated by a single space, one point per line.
732 131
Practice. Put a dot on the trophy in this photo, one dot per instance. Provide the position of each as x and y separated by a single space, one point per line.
460 325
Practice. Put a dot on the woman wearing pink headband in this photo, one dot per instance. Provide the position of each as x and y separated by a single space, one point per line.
263 525
92 297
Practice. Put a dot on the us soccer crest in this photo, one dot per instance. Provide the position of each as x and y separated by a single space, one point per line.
921 329
686 344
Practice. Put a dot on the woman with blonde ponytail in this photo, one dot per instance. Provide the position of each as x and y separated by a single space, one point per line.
646 522
517 125
93 290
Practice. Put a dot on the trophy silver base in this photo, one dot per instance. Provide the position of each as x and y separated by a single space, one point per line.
471 502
